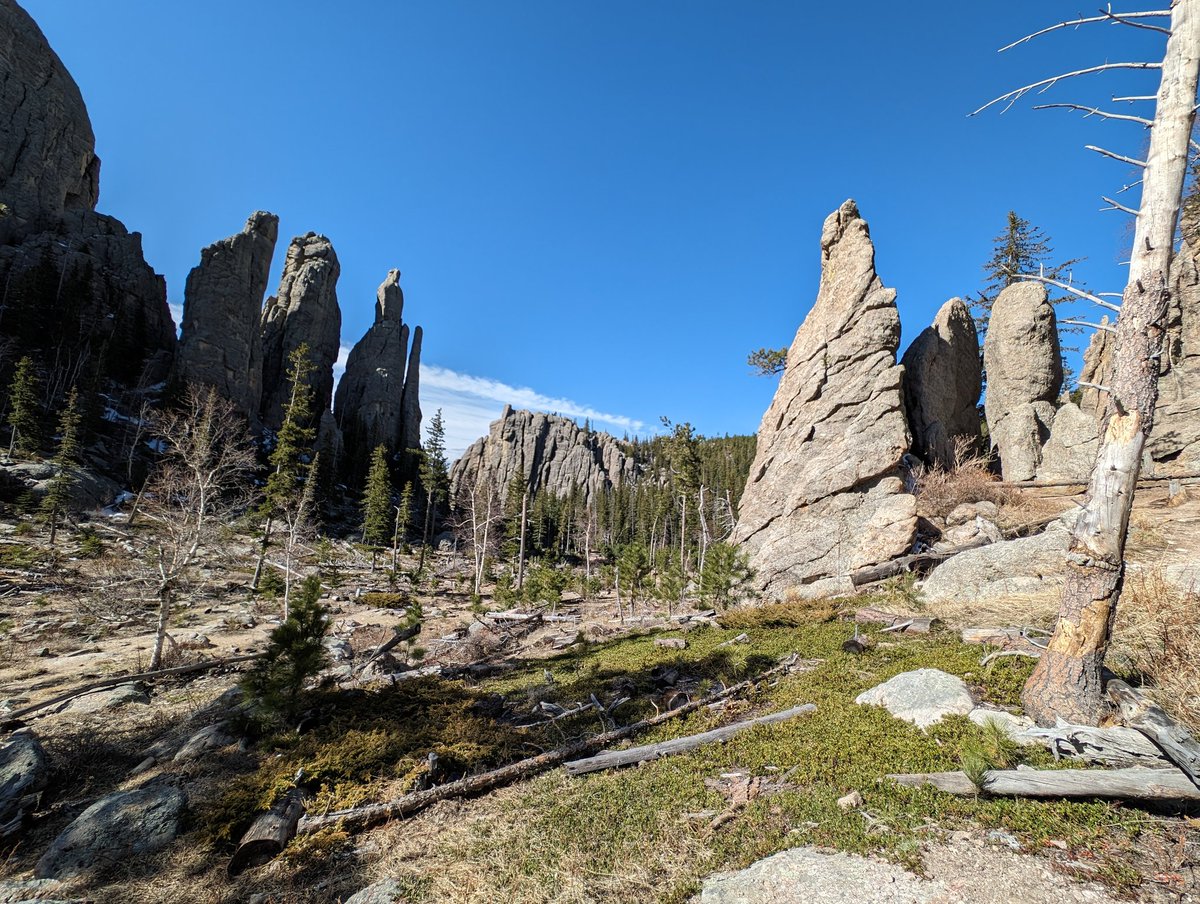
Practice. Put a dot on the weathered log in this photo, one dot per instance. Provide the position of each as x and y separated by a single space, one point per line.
269 834
1168 785
908 624
1114 747
1175 741
1014 638
611 759
359 818
126 679
1083 482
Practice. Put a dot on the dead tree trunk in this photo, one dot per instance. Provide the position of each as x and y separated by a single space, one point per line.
1066 682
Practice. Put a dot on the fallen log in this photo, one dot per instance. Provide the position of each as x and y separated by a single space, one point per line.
126 679
360 818
1175 741
1020 639
390 644
1136 783
611 759
908 624
269 834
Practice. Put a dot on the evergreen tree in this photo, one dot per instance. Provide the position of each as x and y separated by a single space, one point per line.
24 410
1021 249
290 459
378 518
66 460
294 654
725 570
434 476
766 362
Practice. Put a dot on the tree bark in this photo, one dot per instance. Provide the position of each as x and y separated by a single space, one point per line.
1072 784
1175 741
1067 682
269 834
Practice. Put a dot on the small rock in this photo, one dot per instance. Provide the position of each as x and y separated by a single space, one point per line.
213 737
386 891
851 801
193 640
42 652
998 837
112 698
923 697
1013 726
671 643
969 511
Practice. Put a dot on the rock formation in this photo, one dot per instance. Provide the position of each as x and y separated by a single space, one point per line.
1023 363
220 344
410 403
1095 370
942 382
552 453
1071 450
48 162
305 310
371 395
1174 443
78 289
824 494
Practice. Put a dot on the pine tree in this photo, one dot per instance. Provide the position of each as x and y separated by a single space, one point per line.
294 654
66 460
434 476
378 519
725 570
24 410
289 460
766 362
1021 249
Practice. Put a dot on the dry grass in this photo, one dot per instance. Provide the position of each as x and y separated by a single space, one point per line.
1157 635
940 490
1037 610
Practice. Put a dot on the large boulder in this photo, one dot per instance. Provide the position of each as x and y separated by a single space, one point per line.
118 826
304 311
551 453
1023 363
24 770
371 396
942 382
1071 450
77 289
220 344
1025 566
386 891
824 495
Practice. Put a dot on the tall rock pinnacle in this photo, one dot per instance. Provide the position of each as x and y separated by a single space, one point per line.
824 494
221 342
370 396
305 310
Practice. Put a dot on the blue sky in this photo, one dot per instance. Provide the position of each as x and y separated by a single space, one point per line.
600 208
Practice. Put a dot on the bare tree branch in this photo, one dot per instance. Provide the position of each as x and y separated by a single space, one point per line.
1095 111
1125 188
1045 84
1132 161
1129 19
1134 97
1116 206
1067 287
1105 17
1073 321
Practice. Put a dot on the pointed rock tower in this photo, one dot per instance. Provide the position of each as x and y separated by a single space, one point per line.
304 311
371 396
221 343
825 496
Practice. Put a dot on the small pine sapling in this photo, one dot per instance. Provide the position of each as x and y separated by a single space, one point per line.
294 654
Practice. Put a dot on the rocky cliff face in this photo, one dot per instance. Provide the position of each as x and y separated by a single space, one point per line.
824 494
220 343
1174 443
552 453
370 396
1024 377
48 163
305 310
78 290
942 382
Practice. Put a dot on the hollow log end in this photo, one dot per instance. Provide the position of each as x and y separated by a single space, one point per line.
253 853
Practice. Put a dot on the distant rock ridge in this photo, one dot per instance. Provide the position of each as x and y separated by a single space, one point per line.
220 342
77 287
552 453
825 495
376 402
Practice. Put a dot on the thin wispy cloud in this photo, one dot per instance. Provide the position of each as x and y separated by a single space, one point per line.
469 404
